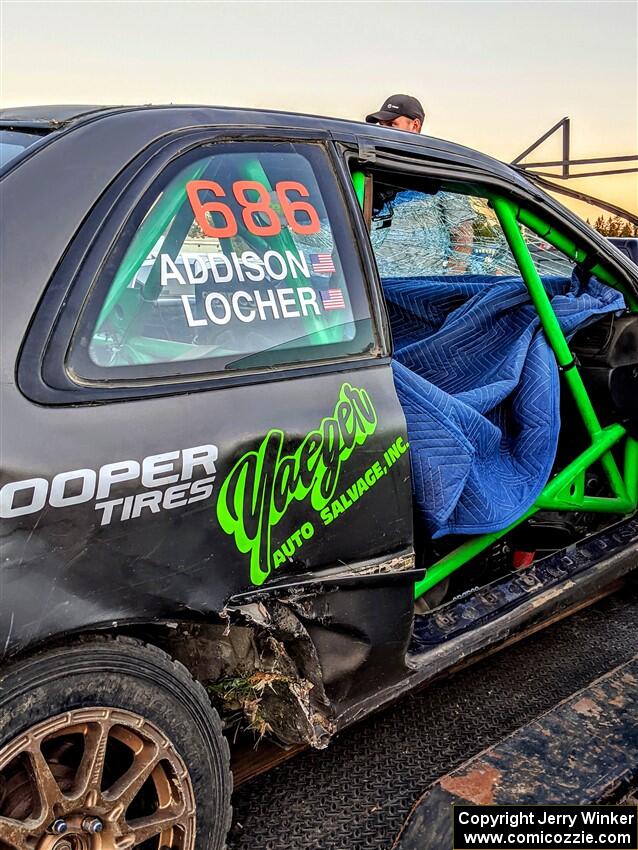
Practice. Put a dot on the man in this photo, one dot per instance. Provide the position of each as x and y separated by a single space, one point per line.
425 234
400 111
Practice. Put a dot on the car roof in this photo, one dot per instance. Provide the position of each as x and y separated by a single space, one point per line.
97 142
68 116
48 116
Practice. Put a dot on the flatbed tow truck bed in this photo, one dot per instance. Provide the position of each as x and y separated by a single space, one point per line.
360 792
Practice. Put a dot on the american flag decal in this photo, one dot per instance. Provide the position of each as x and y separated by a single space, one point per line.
332 299
322 264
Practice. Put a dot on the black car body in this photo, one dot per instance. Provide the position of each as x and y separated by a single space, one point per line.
248 509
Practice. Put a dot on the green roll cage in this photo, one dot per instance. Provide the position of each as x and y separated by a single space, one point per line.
566 490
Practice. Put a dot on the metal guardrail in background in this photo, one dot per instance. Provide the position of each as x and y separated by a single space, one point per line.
566 165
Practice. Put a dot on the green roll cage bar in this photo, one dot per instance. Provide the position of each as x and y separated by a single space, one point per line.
566 490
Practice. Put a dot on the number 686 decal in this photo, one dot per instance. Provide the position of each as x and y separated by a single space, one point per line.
269 223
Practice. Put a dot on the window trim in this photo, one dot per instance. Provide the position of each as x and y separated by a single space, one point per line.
42 369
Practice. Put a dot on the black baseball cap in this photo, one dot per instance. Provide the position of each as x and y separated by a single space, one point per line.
395 105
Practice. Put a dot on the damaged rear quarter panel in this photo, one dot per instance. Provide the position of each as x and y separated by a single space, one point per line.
74 568
63 571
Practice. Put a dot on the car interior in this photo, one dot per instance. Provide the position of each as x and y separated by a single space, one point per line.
490 415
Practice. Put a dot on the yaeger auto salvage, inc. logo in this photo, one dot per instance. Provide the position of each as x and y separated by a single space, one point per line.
263 483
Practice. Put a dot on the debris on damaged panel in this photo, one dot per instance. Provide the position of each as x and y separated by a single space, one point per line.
402 563
291 700
267 701
261 670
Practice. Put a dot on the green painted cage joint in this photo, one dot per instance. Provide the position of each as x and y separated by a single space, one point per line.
359 183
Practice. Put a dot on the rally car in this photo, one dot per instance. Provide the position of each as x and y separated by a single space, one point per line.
297 413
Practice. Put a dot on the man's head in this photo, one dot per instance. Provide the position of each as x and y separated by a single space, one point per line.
401 112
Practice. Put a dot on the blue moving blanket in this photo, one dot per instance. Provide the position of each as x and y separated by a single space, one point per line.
480 389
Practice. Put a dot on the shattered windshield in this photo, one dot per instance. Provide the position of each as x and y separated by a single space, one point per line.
416 234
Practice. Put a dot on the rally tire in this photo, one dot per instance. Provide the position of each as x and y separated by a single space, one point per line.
124 678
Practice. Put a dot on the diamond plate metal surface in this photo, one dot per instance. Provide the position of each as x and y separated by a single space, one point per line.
356 794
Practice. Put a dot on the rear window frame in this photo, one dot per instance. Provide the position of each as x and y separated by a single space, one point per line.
83 369
43 375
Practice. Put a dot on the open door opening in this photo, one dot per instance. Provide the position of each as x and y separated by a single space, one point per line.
490 310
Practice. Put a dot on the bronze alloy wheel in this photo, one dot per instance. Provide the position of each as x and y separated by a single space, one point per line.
95 779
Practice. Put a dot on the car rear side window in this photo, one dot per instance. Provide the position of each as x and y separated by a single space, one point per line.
242 258
14 142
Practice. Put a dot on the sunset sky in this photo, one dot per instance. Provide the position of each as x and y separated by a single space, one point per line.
491 75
